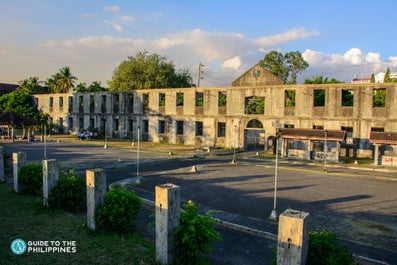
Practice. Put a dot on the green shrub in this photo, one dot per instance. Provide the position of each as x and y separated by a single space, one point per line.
69 192
325 250
31 178
194 236
119 209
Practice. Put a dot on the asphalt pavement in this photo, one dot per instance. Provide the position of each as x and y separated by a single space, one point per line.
357 203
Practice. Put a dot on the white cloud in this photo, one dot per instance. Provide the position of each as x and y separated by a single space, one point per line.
226 55
115 26
344 67
127 19
112 9
291 35
233 63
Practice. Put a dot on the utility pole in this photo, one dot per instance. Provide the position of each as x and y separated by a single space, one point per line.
199 74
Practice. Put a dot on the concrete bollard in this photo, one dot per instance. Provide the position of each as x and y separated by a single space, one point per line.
50 178
293 238
2 178
18 160
167 219
96 192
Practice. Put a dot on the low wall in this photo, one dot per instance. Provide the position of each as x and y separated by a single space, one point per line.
298 153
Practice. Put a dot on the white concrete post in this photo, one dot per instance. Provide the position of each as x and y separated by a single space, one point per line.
96 192
376 154
293 238
18 160
2 178
50 178
167 219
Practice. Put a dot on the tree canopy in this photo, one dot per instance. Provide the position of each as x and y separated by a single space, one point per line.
61 82
145 71
286 66
94 87
21 103
321 80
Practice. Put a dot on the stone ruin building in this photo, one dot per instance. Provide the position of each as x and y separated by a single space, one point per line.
313 121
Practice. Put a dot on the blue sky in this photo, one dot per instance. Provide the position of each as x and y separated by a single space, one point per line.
339 39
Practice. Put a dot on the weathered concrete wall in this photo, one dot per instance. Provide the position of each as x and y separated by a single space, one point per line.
362 116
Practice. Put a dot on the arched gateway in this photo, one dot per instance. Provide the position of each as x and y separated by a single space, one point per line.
254 135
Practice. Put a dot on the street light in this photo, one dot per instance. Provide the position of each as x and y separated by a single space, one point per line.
325 151
138 181
234 145
45 138
273 215
170 129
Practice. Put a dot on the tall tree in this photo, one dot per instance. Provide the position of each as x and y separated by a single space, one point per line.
295 64
66 80
145 71
61 82
19 102
31 85
286 67
386 79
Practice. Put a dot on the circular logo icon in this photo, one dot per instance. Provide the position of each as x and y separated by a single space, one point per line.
18 246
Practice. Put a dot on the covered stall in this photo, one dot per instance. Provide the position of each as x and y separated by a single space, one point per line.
311 143
384 148
10 119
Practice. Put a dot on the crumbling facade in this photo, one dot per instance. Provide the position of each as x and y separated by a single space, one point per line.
235 117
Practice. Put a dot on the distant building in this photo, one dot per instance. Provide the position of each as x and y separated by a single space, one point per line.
361 80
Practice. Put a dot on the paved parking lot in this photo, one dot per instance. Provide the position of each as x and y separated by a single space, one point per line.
359 205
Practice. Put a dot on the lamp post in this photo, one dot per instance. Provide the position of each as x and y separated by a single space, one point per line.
273 215
170 138
325 151
138 181
106 135
234 145
45 138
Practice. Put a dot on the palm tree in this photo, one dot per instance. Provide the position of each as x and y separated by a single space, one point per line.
32 85
65 81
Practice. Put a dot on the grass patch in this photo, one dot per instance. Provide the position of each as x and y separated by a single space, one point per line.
23 216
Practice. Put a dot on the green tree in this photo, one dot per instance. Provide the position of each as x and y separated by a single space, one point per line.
387 79
19 102
255 105
96 87
194 236
295 64
31 85
61 82
373 78
286 67
325 250
81 88
145 71
321 80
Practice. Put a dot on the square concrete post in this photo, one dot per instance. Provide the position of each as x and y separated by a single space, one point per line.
293 238
50 178
96 192
2 178
376 154
167 219
18 160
